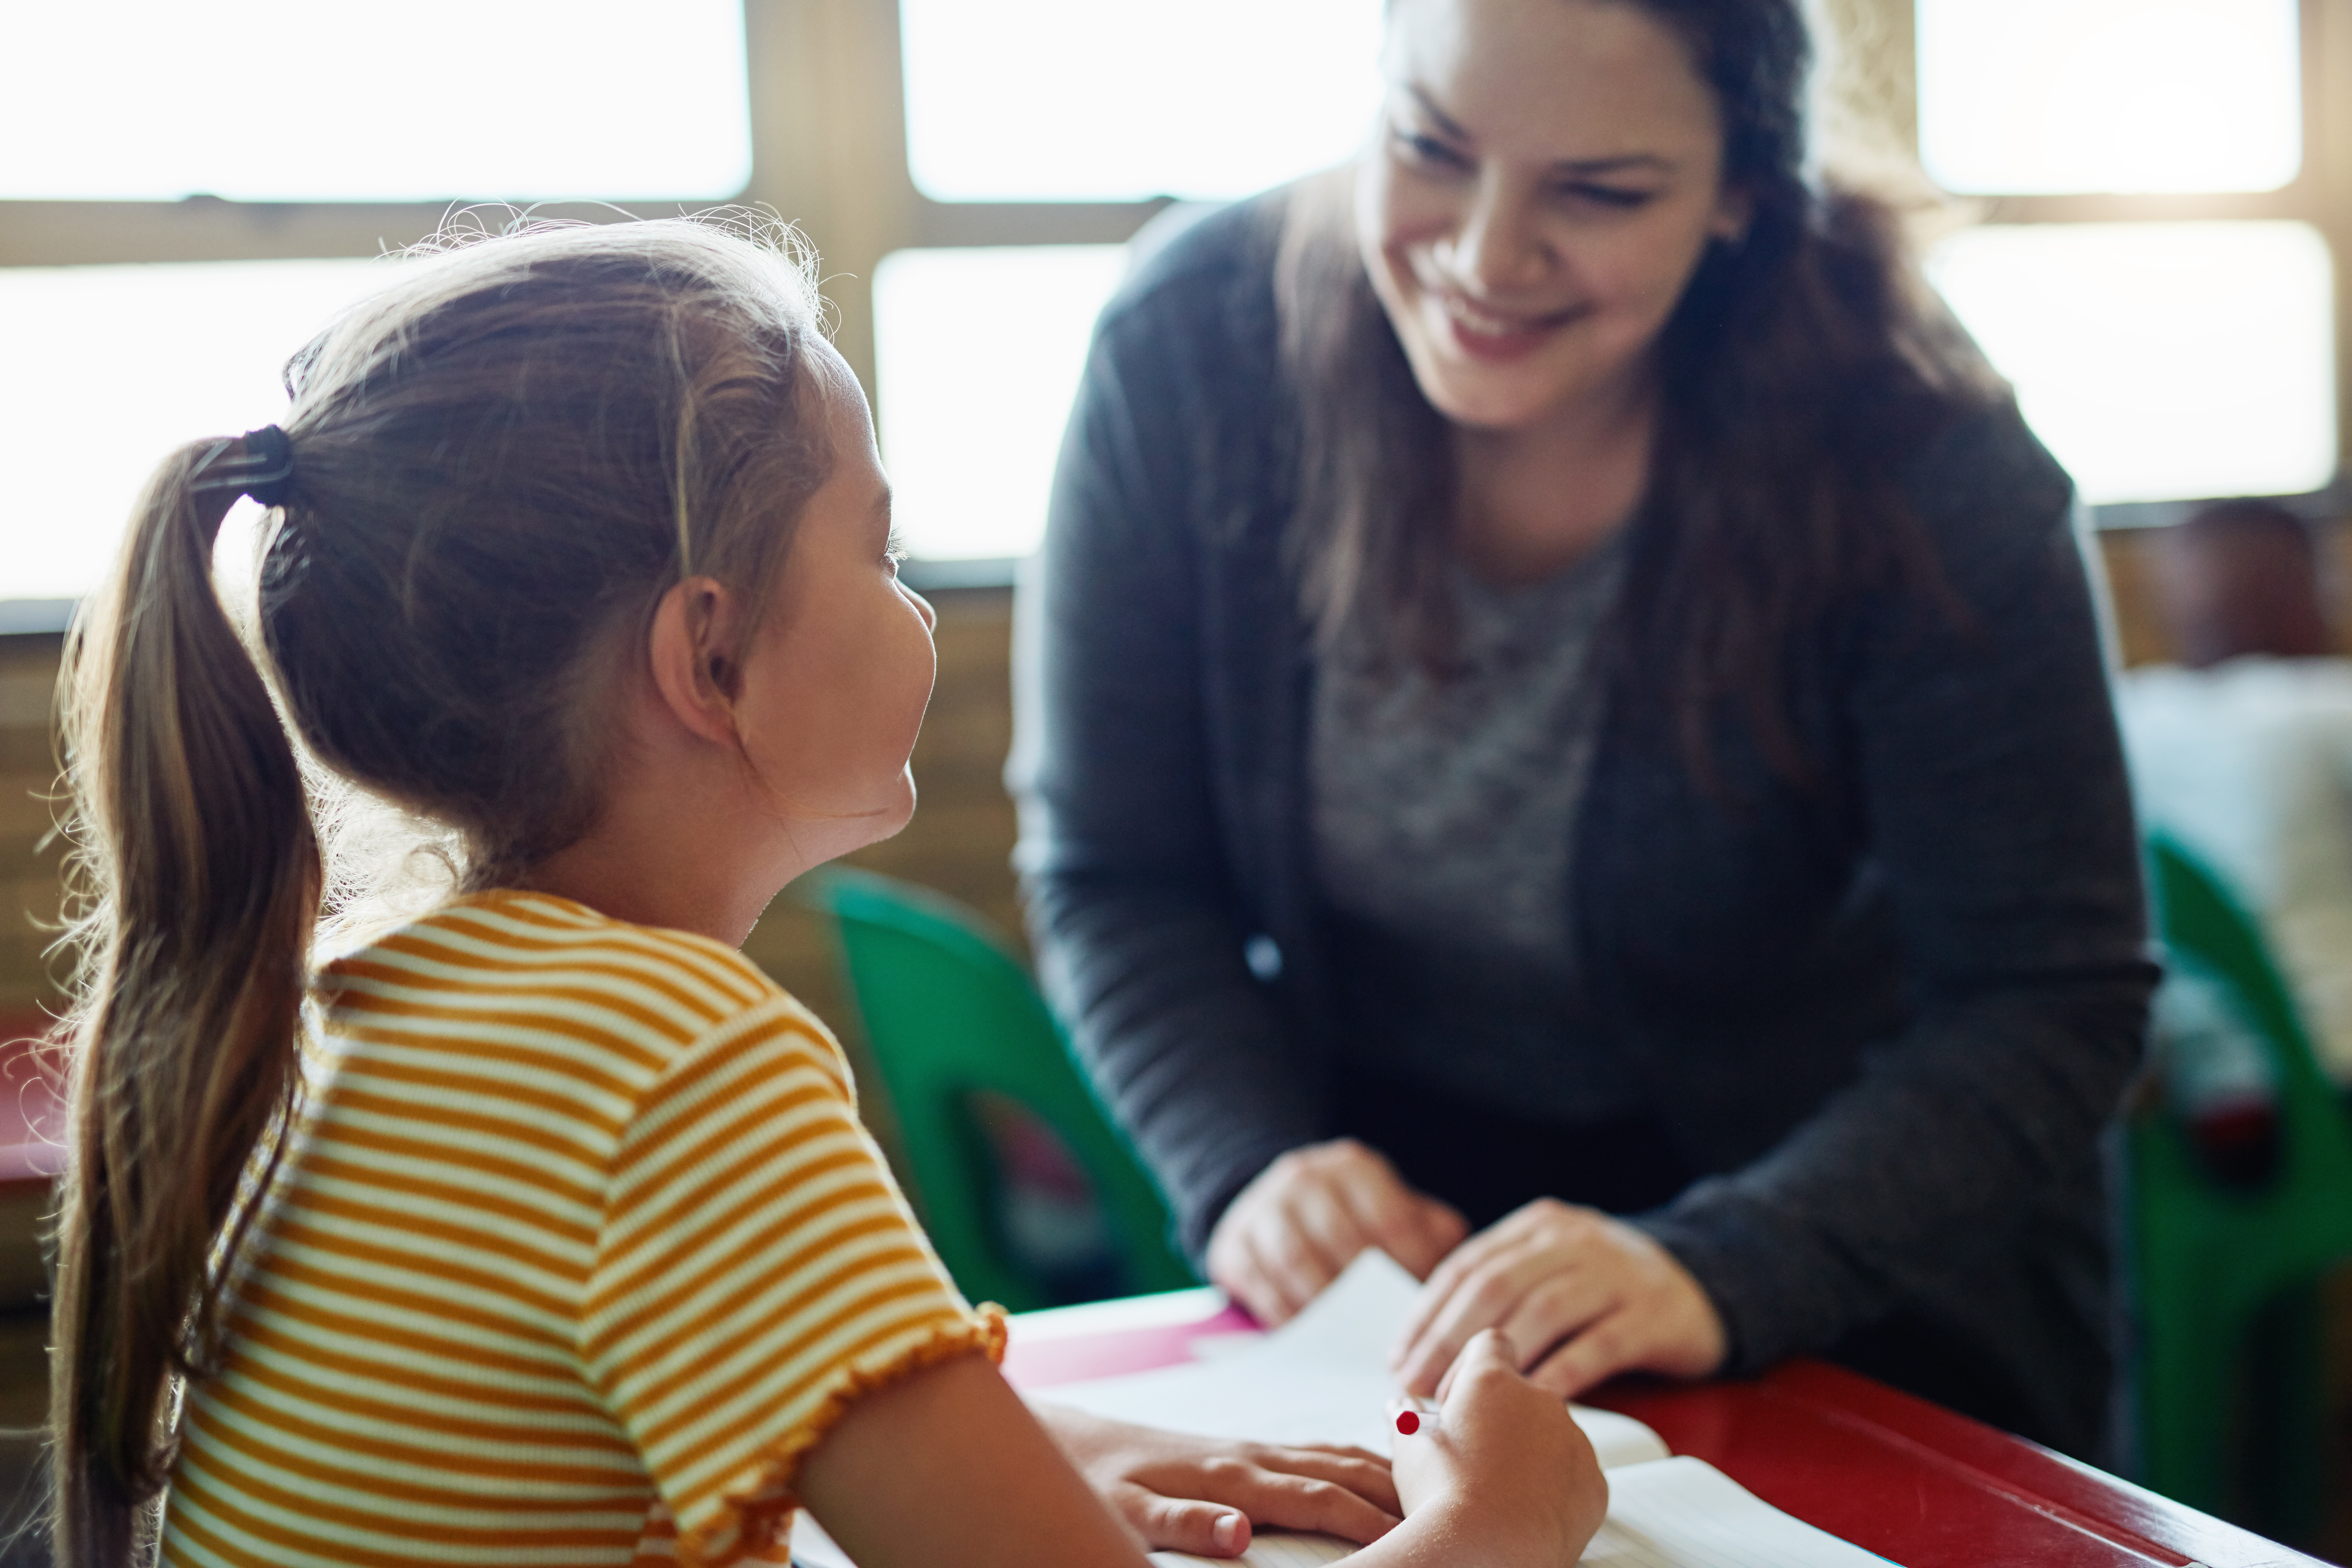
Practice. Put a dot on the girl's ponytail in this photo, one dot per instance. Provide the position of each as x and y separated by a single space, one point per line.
201 879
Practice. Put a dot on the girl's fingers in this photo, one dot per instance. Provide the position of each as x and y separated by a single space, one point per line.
1489 1350
1362 1473
1183 1524
1302 1502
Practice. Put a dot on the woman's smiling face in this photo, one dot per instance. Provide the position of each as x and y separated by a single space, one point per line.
1545 177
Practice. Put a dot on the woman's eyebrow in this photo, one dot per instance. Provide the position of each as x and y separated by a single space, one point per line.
1438 117
1617 163
1623 163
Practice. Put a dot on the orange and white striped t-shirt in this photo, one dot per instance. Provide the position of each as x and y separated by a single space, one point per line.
579 1249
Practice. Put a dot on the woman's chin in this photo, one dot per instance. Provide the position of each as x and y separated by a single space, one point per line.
1488 409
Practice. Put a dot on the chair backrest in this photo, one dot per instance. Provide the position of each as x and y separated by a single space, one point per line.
2207 1257
950 1012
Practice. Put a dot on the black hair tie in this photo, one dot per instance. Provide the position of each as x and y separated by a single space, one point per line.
264 469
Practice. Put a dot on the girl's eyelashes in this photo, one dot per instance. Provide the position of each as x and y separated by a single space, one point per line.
894 551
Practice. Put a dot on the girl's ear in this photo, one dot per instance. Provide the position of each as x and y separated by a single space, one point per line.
695 660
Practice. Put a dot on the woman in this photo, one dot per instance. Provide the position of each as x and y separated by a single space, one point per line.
1566 692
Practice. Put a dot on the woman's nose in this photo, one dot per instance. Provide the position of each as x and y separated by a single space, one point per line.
1498 249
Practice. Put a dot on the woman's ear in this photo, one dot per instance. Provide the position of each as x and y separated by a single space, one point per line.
1735 209
696 659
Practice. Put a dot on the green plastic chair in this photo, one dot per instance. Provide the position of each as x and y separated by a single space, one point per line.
2224 1276
950 1012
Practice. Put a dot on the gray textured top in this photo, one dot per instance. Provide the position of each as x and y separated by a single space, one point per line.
1443 808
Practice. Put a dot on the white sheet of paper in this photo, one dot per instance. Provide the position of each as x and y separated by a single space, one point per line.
1667 1513
1322 1377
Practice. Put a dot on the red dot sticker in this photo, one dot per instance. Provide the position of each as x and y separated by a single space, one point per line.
1408 1423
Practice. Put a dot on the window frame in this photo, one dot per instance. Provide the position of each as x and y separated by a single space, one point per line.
2320 196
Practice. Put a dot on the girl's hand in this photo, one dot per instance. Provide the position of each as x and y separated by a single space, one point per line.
1182 1493
1504 1474
1585 1295
1291 1231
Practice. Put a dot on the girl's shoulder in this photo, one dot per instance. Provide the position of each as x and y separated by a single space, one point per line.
517 971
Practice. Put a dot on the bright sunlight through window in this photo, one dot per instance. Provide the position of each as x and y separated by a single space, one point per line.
2019 97
109 368
2160 360
294 100
1011 100
977 355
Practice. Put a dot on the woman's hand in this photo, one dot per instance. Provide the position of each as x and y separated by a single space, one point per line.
1291 1231
1584 1295
1183 1493
1503 1471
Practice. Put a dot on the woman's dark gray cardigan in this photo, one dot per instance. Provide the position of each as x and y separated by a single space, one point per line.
1886 1015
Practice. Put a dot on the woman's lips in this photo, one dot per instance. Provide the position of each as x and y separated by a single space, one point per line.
1486 335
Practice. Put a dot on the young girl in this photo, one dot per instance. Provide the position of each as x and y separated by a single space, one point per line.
541 1229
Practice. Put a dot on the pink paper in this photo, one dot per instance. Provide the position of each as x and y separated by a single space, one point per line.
1042 1363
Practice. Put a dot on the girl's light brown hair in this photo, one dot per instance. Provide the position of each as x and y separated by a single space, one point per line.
500 465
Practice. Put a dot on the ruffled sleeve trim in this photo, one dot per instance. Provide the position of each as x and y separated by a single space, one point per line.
755 1511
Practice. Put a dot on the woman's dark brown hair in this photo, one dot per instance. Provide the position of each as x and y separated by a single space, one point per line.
500 466
1801 366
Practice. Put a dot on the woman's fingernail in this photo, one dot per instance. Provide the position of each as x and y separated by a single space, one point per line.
1227 1532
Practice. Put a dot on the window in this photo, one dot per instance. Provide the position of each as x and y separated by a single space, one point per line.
2141 399
1061 101
2020 96
113 367
977 351
291 101
977 354
2153 277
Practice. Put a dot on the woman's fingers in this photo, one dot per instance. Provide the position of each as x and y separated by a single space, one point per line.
1584 1295
1305 1218
1443 1229
1413 1228
1483 1295
1461 1261
1656 1318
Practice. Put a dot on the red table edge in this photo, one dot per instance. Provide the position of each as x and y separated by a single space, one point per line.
2081 1495
2087 1498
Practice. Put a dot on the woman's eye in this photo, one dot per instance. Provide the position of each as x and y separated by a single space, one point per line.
894 553
1424 149
1607 195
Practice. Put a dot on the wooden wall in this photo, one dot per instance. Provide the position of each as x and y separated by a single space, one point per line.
959 842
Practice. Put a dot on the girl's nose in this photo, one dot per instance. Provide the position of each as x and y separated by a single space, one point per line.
923 608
